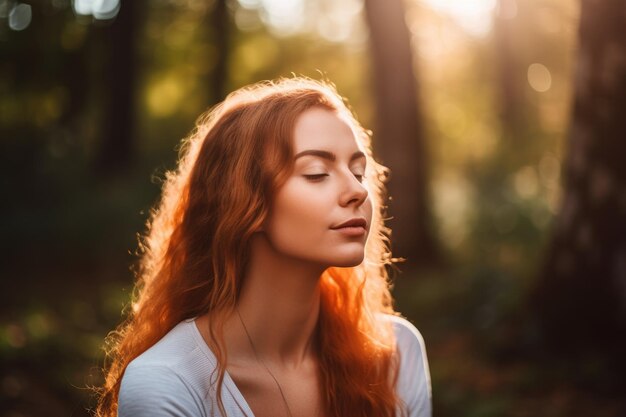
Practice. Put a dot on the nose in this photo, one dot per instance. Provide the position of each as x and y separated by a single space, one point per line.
354 192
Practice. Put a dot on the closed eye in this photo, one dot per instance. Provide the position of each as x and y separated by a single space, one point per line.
315 177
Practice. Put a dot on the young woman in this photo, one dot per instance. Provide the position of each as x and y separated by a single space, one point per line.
263 289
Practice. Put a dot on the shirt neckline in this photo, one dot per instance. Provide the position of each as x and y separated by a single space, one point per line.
228 381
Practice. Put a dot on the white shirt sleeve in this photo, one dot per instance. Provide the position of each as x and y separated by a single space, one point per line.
156 391
414 387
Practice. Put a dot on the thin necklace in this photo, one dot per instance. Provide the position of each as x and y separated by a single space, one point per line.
258 358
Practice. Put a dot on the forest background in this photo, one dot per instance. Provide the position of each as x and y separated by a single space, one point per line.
501 120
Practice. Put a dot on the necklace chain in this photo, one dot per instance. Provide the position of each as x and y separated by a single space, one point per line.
259 360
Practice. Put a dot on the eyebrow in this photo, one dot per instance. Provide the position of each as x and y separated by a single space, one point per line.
327 155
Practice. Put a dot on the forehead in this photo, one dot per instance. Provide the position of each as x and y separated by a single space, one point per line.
319 128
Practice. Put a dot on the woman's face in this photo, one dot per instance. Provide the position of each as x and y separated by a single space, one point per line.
322 213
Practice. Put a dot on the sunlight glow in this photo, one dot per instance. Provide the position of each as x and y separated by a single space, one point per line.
283 16
336 24
475 16
334 21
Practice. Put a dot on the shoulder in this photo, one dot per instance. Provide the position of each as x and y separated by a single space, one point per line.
407 335
172 349
413 384
164 380
156 390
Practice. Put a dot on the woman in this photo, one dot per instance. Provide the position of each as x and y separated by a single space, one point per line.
263 289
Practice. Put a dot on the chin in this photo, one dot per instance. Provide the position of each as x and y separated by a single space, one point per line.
348 261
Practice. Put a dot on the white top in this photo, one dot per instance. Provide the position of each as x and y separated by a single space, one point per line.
173 377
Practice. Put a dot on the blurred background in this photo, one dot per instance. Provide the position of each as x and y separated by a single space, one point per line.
502 121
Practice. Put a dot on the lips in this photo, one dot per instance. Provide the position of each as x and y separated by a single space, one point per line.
356 222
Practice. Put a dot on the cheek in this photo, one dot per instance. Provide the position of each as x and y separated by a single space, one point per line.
300 215
297 215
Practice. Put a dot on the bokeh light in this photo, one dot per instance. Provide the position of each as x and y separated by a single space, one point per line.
539 77
99 9
164 95
284 17
20 16
454 201
526 182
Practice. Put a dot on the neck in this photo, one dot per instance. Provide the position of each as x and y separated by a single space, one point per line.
279 304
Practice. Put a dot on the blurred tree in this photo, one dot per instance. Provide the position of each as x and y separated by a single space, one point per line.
221 27
118 71
511 97
399 140
581 295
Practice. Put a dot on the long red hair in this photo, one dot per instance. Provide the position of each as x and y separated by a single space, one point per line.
197 245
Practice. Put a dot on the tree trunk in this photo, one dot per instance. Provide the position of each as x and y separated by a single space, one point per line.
399 135
511 110
119 74
581 296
